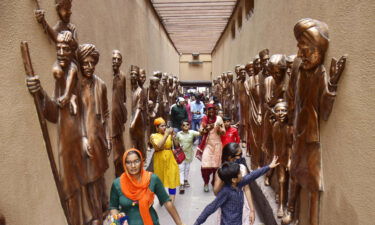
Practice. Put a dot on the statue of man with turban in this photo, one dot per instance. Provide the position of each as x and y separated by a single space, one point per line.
139 113
311 94
62 109
119 112
95 114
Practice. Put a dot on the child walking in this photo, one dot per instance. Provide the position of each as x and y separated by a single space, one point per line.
230 199
185 138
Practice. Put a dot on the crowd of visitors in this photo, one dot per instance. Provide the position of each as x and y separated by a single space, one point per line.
194 124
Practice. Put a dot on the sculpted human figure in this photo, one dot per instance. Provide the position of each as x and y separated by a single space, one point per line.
282 144
243 103
63 8
71 143
236 108
119 112
306 107
134 71
256 65
224 81
138 120
264 58
220 89
254 137
275 87
231 104
214 88
171 91
95 115
153 99
164 90
289 63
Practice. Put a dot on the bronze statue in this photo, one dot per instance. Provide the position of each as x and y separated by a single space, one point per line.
95 114
220 89
138 119
282 144
306 107
63 8
171 91
231 104
289 62
71 140
215 88
257 67
275 87
224 81
134 71
264 58
243 103
119 112
254 137
236 107
153 99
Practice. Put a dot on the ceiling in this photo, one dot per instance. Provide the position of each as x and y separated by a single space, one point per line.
194 25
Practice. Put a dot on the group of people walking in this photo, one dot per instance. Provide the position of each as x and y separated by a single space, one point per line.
217 145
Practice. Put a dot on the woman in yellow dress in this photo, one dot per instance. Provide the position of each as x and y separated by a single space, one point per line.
165 165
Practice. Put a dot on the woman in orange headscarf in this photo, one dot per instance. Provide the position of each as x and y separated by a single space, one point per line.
165 165
134 191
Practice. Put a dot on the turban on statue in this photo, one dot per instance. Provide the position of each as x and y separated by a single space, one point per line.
278 60
281 103
86 50
313 31
154 79
158 121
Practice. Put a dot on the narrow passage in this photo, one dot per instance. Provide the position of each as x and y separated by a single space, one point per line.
193 201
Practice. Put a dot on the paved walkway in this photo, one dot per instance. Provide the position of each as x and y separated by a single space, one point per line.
192 203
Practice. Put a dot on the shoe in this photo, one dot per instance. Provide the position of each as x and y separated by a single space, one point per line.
186 183
206 188
182 190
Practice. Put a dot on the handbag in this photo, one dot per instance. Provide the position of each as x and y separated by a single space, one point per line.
179 154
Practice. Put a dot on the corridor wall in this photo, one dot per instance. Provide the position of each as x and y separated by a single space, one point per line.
27 190
347 138
200 70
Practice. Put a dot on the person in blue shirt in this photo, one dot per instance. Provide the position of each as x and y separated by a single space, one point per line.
196 108
230 199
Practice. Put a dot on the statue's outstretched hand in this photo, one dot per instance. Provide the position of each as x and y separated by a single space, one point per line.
337 67
39 15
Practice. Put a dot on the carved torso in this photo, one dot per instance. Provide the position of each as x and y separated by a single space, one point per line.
119 111
95 111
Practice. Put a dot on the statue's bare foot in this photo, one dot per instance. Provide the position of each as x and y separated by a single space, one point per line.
280 212
287 218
